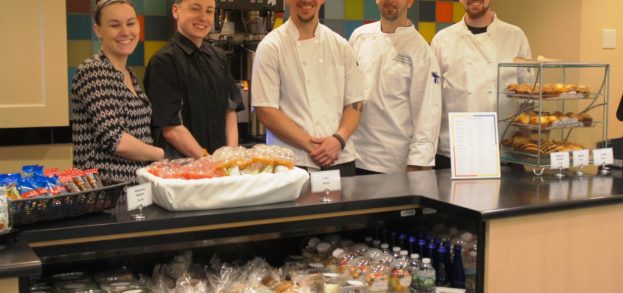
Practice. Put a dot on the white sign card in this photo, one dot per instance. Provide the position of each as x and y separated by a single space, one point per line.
474 149
448 290
139 195
581 158
325 180
559 160
603 157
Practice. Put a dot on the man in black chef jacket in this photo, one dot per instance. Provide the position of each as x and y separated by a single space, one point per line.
189 84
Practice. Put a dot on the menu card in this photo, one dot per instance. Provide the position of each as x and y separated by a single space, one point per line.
474 148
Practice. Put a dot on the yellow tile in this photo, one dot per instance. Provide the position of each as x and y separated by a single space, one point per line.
353 9
139 71
428 30
78 51
457 12
151 47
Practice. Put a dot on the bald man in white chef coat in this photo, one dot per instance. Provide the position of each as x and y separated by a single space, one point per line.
399 129
468 53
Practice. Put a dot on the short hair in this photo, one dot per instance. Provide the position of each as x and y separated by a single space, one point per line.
100 4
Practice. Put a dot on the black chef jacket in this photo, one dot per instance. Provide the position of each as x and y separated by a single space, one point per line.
191 86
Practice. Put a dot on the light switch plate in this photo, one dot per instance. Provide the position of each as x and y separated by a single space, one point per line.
609 39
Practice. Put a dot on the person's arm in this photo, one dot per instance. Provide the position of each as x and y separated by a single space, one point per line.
109 125
183 141
131 148
425 103
231 127
330 147
284 128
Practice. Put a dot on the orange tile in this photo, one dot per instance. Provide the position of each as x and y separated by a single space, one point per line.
444 11
141 21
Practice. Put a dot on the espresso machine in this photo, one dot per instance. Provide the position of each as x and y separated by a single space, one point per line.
239 26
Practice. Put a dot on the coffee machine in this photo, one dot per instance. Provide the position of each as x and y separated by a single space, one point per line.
238 28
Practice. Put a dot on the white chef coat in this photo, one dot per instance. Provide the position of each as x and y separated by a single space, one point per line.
469 69
310 81
400 122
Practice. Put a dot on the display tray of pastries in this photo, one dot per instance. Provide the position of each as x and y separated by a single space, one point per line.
547 91
552 120
522 145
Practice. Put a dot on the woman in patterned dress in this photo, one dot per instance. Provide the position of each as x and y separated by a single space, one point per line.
110 112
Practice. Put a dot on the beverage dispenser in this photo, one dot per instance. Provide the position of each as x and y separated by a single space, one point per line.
238 28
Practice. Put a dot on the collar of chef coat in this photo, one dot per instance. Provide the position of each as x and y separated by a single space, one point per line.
490 28
293 31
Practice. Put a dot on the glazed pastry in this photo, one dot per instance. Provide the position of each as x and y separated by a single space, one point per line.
582 89
511 87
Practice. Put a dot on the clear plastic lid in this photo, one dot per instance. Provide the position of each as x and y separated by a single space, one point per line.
372 253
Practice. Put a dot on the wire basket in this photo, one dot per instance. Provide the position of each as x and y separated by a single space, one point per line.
41 209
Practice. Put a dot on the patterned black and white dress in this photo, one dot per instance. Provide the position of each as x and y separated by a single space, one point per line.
102 109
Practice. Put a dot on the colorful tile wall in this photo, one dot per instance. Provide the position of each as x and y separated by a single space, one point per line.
430 16
156 23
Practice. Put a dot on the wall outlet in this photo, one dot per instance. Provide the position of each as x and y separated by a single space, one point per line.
609 39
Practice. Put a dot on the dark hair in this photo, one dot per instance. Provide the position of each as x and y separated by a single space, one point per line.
100 4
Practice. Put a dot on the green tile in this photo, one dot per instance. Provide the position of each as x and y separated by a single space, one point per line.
334 9
77 52
353 9
156 7
371 10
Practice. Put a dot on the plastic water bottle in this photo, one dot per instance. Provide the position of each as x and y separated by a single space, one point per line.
396 252
415 268
469 263
385 248
412 244
442 267
458 272
426 277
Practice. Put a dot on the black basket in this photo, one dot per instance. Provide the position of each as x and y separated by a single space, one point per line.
28 211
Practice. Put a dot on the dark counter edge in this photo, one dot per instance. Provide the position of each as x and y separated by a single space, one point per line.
17 260
214 217
550 208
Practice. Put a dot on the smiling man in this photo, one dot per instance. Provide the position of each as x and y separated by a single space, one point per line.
189 83
468 53
306 90
401 84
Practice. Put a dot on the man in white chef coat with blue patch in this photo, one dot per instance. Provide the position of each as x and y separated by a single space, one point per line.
399 128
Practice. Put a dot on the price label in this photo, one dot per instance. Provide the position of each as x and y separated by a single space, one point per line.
580 158
139 195
559 160
448 290
325 180
603 157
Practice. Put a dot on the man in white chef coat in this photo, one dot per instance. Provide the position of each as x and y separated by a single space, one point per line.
468 53
306 90
399 128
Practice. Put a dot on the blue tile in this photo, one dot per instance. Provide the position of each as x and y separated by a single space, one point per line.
442 25
334 9
79 27
138 57
412 14
427 11
158 28
350 26
371 10
70 75
336 25
138 4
